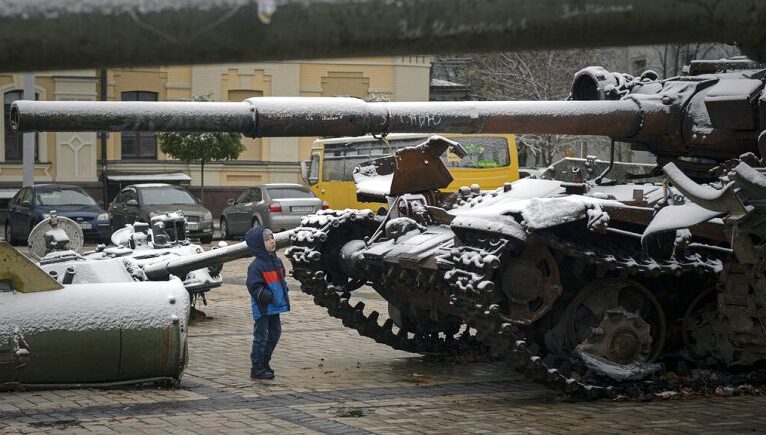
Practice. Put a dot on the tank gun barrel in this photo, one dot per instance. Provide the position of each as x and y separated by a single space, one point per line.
182 266
316 116
69 34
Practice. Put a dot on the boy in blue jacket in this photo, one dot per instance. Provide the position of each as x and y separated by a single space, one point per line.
268 298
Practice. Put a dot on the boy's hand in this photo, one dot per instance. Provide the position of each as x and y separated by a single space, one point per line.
264 296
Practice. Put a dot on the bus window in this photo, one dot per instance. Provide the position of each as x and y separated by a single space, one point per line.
313 177
332 167
483 152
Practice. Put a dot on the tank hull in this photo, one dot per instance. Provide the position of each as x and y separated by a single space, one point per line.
89 334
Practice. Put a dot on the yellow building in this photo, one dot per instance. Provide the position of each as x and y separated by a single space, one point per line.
75 157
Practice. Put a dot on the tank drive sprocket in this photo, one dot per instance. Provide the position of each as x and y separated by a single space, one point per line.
317 245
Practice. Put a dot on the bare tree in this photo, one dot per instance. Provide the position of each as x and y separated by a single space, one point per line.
668 60
539 75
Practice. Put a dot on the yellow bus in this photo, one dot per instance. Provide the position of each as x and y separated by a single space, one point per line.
491 161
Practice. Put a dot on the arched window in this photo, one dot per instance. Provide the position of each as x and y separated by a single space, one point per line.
136 144
14 143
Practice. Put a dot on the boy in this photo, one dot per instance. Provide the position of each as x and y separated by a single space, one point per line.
268 298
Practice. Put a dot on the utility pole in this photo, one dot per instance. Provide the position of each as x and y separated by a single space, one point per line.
28 141
102 137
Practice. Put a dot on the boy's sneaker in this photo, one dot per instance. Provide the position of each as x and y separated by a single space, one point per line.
263 374
269 369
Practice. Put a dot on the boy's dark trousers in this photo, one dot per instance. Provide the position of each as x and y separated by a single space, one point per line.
266 332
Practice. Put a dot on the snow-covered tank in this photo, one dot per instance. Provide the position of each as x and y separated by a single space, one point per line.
112 316
154 251
56 334
589 286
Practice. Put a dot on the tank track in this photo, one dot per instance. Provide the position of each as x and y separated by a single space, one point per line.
465 276
306 255
472 286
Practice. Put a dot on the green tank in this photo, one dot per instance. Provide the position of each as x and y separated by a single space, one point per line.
54 334
115 315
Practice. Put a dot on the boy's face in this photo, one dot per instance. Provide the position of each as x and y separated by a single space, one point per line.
268 241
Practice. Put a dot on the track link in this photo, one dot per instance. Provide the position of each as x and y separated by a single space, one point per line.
310 243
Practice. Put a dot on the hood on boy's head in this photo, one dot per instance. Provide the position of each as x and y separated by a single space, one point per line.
254 240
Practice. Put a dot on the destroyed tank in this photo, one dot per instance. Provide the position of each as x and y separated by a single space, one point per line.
56 243
587 286
117 315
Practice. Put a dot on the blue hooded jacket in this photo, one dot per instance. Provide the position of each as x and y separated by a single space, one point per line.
265 278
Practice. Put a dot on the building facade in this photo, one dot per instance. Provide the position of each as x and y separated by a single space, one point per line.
75 157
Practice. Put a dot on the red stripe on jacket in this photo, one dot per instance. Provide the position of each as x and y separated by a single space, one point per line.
271 276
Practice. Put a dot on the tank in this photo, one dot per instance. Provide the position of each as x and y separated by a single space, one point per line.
55 333
116 315
56 243
155 251
588 286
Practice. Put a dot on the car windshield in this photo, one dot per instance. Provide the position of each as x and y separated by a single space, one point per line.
63 197
289 192
166 196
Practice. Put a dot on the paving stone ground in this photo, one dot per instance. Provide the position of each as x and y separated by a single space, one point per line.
331 380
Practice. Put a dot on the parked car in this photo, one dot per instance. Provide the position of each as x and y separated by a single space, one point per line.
141 202
33 204
277 206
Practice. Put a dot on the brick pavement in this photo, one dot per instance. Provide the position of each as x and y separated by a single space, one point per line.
331 380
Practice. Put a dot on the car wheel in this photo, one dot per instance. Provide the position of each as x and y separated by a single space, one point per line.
206 239
256 222
9 234
225 230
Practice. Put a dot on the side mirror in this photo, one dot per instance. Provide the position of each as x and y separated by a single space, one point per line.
305 170
132 203
26 204
230 201
100 204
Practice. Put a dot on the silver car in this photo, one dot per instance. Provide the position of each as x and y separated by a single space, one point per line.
277 206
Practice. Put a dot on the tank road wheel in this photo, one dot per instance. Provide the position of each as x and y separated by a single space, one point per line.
617 328
531 284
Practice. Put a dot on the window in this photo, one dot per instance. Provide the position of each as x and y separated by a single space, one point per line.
314 169
483 152
26 196
638 66
244 198
257 195
135 144
289 192
129 194
14 143
63 197
166 195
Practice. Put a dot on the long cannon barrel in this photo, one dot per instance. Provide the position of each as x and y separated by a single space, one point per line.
316 116
76 34
182 266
